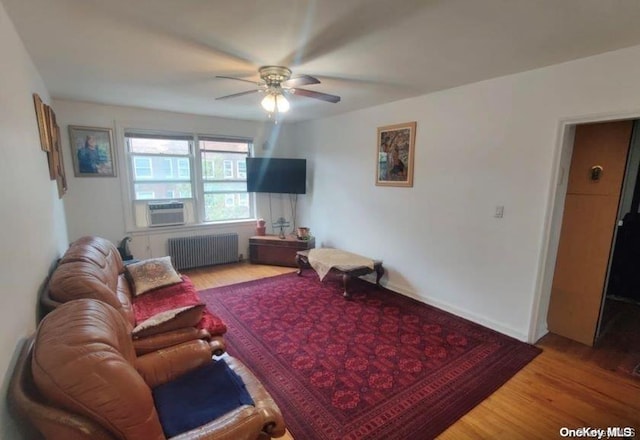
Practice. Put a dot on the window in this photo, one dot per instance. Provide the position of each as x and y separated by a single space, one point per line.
166 167
220 187
184 171
227 169
142 167
241 166
153 160
206 173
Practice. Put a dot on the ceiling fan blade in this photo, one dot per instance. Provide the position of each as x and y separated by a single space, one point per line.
238 79
302 80
316 95
235 95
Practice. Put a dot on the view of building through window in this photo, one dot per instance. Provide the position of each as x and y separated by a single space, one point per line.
153 161
224 179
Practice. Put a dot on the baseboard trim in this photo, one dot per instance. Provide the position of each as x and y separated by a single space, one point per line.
447 307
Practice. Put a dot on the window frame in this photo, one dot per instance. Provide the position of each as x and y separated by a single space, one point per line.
191 162
223 179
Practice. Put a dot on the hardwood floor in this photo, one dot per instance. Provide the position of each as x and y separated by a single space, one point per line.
562 387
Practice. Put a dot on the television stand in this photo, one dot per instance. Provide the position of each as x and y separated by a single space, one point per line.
276 251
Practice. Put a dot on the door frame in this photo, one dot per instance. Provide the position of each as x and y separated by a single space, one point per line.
557 192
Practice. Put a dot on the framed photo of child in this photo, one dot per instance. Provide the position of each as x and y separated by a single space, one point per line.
92 151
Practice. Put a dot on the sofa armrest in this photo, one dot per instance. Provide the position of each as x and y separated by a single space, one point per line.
163 340
273 422
161 366
31 408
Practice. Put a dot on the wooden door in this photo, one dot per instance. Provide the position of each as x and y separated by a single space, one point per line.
588 225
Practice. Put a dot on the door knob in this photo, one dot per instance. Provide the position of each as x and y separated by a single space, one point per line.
596 172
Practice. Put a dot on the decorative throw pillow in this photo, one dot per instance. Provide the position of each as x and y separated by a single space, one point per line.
151 274
163 322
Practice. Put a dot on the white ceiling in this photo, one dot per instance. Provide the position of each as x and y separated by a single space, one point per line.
165 54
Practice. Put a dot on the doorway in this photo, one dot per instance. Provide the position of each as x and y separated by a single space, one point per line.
588 224
619 328
594 282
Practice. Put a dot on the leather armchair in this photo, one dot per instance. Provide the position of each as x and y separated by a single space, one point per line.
79 378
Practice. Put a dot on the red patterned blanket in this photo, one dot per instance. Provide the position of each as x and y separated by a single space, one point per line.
171 297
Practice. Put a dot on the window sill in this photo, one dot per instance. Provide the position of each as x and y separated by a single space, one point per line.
192 227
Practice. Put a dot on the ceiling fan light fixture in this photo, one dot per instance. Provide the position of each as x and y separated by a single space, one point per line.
276 82
282 104
269 103
275 101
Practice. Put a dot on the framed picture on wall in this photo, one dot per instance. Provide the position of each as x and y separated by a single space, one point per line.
395 151
56 150
42 122
92 151
52 156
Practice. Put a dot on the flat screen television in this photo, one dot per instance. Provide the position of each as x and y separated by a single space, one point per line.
276 175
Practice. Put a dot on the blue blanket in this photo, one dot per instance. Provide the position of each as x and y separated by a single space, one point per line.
198 397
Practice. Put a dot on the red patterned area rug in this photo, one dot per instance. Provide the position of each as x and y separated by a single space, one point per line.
378 366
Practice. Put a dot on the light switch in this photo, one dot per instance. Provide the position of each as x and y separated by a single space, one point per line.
499 211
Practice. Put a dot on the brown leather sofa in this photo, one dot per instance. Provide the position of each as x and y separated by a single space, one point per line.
79 377
93 268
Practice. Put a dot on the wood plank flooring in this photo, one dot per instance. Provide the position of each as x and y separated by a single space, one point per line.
562 387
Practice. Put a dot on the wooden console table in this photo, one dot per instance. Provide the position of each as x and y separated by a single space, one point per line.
276 251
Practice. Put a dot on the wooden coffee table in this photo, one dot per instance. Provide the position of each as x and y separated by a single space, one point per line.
347 273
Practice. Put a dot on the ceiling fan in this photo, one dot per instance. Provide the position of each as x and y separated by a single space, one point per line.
276 82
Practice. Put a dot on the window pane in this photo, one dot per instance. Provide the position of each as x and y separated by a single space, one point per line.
164 190
161 168
224 186
221 165
159 146
219 207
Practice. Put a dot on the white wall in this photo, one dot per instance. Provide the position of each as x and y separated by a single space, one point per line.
32 223
94 206
496 142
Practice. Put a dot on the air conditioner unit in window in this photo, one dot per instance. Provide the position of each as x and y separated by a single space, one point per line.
166 213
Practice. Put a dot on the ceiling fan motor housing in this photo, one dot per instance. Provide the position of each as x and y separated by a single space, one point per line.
274 75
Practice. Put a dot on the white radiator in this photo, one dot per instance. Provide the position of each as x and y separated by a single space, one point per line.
203 250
